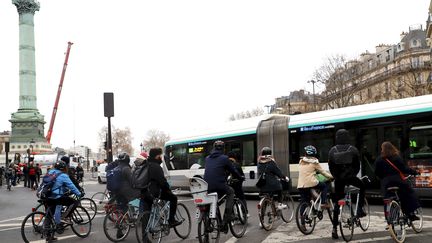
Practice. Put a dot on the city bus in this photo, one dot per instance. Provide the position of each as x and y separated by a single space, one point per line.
407 123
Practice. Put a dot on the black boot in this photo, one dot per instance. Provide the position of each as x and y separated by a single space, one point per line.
335 234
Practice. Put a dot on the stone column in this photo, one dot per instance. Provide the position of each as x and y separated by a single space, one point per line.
27 69
27 123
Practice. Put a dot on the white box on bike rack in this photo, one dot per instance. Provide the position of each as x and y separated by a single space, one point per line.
198 188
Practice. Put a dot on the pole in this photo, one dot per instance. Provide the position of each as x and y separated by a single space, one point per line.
109 142
313 92
7 154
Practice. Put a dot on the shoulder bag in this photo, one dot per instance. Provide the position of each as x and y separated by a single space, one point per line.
261 179
403 177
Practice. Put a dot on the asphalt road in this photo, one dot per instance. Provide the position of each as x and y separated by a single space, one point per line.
16 204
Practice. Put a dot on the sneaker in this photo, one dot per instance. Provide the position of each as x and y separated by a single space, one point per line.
174 223
335 234
325 206
66 221
413 217
281 206
361 214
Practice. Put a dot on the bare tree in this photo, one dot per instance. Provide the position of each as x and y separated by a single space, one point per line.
121 139
247 114
155 138
338 75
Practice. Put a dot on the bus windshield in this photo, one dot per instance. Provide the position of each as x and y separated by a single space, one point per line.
420 142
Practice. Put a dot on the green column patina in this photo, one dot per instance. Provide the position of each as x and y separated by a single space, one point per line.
27 122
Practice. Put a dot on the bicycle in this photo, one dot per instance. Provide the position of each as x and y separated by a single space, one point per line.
102 199
41 225
117 223
85 202
348 217
209 216
268 212
156 222
308 212
397 220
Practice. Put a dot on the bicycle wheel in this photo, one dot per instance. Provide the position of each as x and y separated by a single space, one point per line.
417 225
346 223
287 212
182 215
116 225
147 233
365 221
265 213
101 199
36 226
396 222
81 222
305 219
208 229
238 224
90 206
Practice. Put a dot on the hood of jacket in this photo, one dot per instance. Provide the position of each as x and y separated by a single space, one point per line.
215 153
311 160
265 159
342 137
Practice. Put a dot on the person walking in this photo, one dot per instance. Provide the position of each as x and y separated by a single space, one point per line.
2 172
390 168
344 165
38 173
32 176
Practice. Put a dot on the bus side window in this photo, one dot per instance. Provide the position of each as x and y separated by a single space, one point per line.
251 174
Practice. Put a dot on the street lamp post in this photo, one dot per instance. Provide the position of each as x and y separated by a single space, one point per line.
30 151
313 92
117 144
141 146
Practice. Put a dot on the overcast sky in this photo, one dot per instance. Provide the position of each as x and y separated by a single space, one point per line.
178 65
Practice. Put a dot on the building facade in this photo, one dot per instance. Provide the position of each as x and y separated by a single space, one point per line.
392 72
296 102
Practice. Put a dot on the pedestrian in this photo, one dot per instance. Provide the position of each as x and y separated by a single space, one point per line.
390 168
344 165
38 173
79 172
2 172
26 175
32 176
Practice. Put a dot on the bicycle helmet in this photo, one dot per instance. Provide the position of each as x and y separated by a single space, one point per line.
60 165
219 145
310 150
266 151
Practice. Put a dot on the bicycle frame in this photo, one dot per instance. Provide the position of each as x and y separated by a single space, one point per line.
156 212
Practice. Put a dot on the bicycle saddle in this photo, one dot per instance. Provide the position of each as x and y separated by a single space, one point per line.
352 189
393 188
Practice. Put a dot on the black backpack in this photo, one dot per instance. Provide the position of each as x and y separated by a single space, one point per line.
46 187
343 157
141 176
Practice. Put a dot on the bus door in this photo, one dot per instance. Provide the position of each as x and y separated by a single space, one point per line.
273 133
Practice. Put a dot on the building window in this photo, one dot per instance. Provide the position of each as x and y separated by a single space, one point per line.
13 147
414 43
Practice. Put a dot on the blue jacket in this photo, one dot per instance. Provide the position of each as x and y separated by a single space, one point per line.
62 183
216 166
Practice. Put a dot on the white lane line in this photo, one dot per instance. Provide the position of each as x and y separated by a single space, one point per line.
12 219
10 229
58 238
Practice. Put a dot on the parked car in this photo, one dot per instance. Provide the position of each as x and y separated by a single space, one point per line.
102 173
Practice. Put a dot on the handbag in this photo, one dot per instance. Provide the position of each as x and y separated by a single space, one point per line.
261 179
321 178
403 177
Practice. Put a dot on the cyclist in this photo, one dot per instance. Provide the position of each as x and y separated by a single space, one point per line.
58 197
344 165
390 177
237 183
158 185
309 166
79 173
216 165
267 165
10 176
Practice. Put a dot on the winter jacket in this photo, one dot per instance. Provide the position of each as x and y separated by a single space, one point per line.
216 166
344 171
157 178
273 174
308 168
126 189
62 184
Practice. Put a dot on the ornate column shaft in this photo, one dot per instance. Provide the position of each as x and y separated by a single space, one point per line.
27 69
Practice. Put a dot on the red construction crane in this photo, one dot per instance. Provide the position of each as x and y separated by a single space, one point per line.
53 116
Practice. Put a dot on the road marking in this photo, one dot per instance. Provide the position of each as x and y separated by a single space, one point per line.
12 219
58 238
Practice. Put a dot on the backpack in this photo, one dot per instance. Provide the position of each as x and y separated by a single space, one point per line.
114 179
343 157
141 177
46 187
